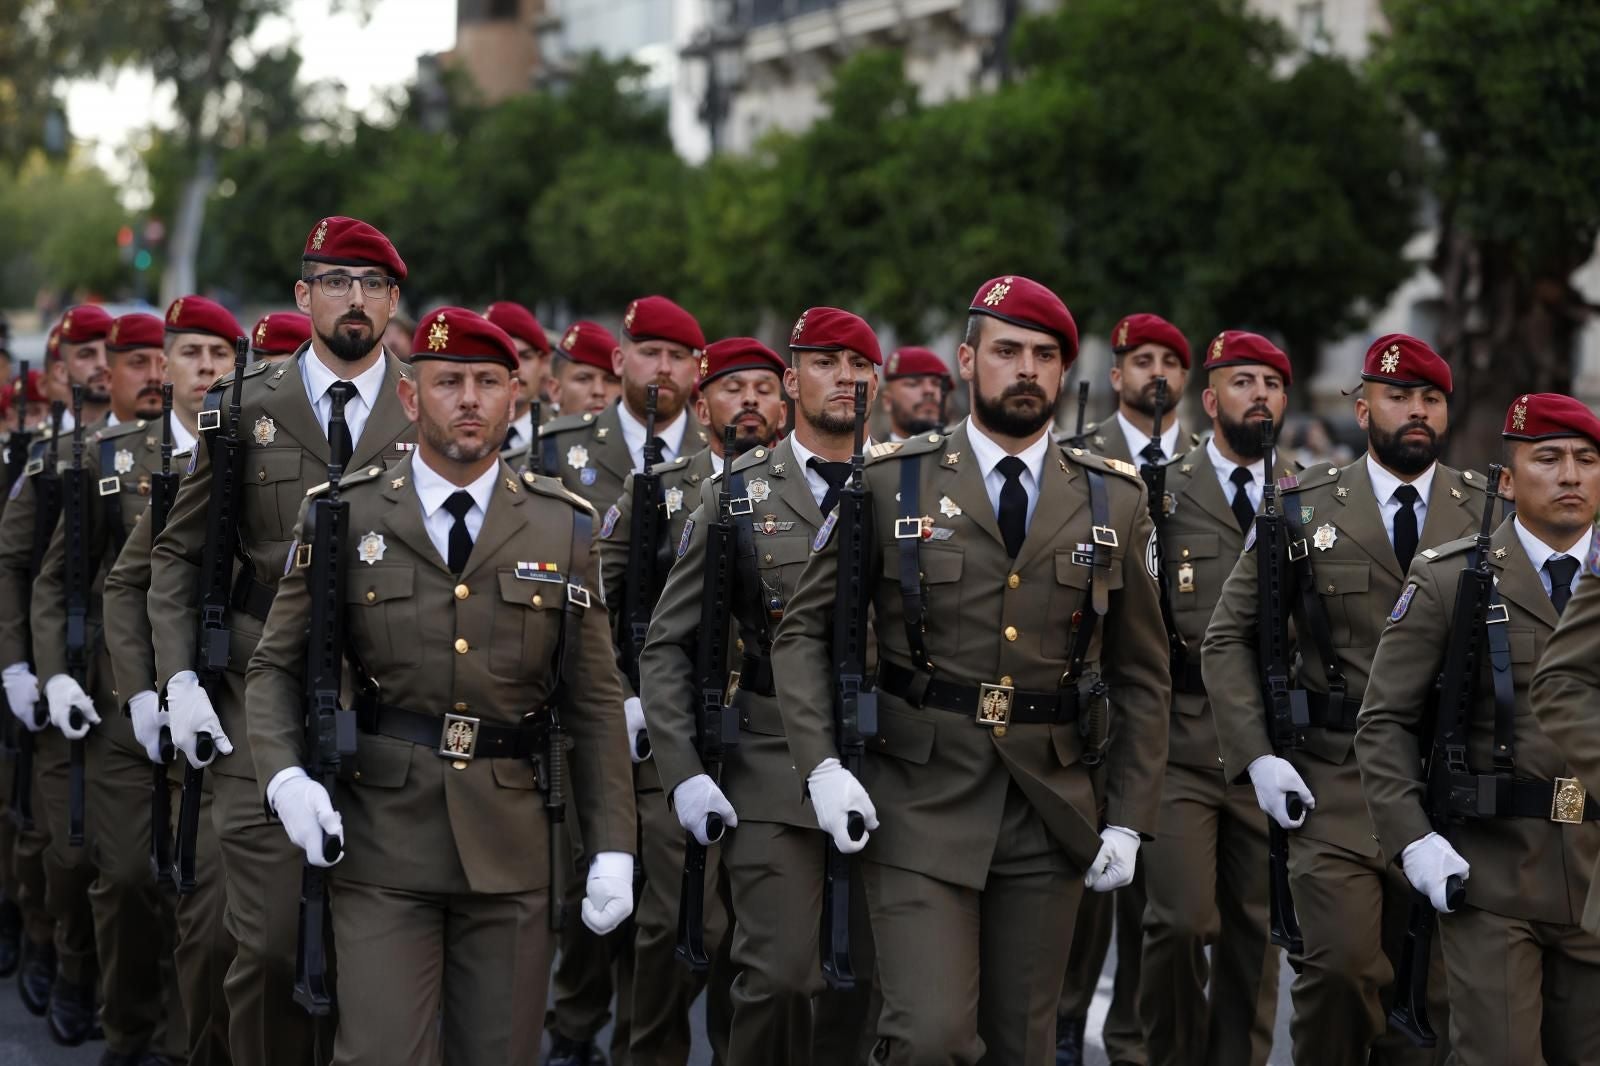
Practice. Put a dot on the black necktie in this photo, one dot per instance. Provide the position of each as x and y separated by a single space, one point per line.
1013 512
835 474
655 448
1405 525
458 504
1561 569
339 443
1243 513
511 439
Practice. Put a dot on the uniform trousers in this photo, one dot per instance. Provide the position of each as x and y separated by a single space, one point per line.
204 947
1206 875
68 870
1100 915
589 967
22 863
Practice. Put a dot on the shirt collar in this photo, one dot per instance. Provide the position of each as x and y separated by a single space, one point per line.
1225 466
1138 438
671 434
1539 552
988 454
367 383
182 439
803 455
1384 483
433 489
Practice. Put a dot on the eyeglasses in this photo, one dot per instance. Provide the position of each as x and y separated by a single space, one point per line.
337 284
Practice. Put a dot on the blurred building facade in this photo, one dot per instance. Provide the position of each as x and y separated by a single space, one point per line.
496 45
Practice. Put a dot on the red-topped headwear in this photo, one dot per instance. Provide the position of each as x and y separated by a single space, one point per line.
280 333
520 323
1237 347
828 329
1024 302
196 314
458 335
734 354
31 389
137 330
658 318
1401 359
914 362
1547 415
589 342
1135 330
344 241
85 322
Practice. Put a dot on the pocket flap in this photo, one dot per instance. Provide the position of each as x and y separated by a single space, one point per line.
273 464
1337 579
1072 569
780 551
375 584
382 762
515 773
903 736
539 595
1182 546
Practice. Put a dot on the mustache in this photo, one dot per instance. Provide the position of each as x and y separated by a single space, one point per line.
1023 388
355 316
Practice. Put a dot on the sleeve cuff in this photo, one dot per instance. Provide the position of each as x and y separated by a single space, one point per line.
609 864
288 773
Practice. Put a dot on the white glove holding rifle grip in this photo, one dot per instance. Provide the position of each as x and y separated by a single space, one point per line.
638 734
148 716
608 892
22 695
66 696
1113 866
695 800
1429 862
1275 781
306 811
835 795
190 713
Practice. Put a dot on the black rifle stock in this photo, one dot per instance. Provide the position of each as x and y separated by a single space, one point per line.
715 729
1076 440
74 505
855 706
20 441
1153 469
644 546
163 490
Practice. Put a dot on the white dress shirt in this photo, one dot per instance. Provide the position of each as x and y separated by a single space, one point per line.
1383 485
671 436
182 440
1539 552
1138 438
316 376
815 481
987 454
1225 467
433 490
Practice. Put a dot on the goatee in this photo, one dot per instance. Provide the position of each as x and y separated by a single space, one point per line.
1405 457
1244 436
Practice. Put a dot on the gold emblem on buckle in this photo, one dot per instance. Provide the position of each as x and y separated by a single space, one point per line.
459 737
994 705
1567 801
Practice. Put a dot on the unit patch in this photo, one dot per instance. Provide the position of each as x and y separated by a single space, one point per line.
1403 604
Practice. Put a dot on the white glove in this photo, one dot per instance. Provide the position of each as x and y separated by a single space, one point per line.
190 713
148 717
608 894
697 797
22 692
305 810
638 735
835 795
1113 866
65 696
1429 863
1276 780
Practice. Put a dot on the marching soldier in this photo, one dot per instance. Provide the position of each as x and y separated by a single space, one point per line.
1522 974
349 286
1003 788
1143 347
1351 532
533 366
432 910
916 391
583 377
279 335
1210 831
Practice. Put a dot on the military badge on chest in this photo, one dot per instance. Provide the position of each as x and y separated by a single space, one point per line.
266 431
578 459
122 462
674 500
370 548
1324 537
770 525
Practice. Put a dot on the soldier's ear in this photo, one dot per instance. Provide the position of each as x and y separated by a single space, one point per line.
407 391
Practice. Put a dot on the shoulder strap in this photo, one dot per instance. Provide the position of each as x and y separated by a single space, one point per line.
565 665
1315 614
908 542
1505 692
111 501
754 622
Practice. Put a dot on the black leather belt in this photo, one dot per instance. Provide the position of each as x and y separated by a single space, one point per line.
1563 800
1055 707
1188 679
452 736
755 674
1340 718
251 596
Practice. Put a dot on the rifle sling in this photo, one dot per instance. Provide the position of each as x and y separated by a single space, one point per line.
754 627
913 606
1505 696
111 502
565 665
1331 712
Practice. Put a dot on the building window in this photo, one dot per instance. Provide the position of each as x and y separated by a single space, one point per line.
1311 27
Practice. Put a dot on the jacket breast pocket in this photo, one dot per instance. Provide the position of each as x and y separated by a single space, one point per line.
272 491
1194 578
527 620
940 570
1343 588
382 608
1069 595
780 558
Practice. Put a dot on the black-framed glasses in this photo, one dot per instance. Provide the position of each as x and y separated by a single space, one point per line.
337 283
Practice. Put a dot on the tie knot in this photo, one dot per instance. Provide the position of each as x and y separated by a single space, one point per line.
833 473
1241 476
1407 494
1011 468
657 446
342 390
459 503
1562 569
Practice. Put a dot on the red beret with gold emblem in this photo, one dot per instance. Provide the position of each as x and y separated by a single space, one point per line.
137 330
342 241
914 362
1135 330
196 314
1547 415
658 318
83 323
589 342
1236 347
734 354
1401 359
52 343
280 333
457 335
1026 303
828 329
520 323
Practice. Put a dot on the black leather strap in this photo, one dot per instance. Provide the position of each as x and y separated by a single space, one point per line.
1096 598
912 603
111 502
1187 679
568 640
250 596
755 673
1505 688
1503 796
1313 615
1334 716
755 621
1053 707
427 730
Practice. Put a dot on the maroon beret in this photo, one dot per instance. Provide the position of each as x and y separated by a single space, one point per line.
913 362
343 241
1401 359
1546 415
85 322
735 354
137 330
658 318
32 387
461 336
520 323
591 343
52 343
196 314
1135 330
1235 347
1028 304
828 329
281 333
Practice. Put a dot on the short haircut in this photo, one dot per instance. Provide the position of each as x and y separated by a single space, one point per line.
974 335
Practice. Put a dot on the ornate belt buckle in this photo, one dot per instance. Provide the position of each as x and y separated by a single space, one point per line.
458 739
1567 801
994 705
1105 536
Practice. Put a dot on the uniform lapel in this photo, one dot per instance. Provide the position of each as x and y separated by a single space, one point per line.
791 484
1059 499
959 478
1361 520
1449 518
404 520
1203 488
611 447
290 408
387 419
1517 580
502 521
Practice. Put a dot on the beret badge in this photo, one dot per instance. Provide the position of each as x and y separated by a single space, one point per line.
1216 348
176 312
1519 415
318 237
627 319
571 339
115 326
261 332
705 364
66 323
438 334
799 327
997 293
1122 334
1391 359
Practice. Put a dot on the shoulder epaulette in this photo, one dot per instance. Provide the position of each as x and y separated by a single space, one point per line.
921 444
753 457
1084 457
358 476
566 423
552 487
250 371
122 429
1469 478
1454 547
1312 478
671 464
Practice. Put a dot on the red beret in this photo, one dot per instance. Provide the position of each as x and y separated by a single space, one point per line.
1400 359
281 333
32 387
828 329
461 336
345 241
1030 305
84 323
52 343
658 318
1546 415
137 330
196 314
915 362
591 343
1235 347
520 323
1135 330
735 354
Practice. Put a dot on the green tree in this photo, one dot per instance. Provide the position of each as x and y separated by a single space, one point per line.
60 227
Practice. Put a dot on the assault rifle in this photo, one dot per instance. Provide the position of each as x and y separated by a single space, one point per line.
163 490
1076 440
1153 469
20 440
74 505
643 581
